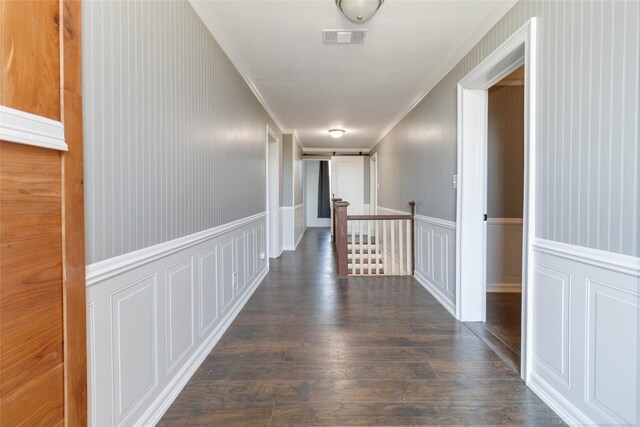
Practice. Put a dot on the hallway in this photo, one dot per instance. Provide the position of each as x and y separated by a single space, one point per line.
309 349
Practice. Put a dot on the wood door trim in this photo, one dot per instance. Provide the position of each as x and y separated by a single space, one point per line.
73 256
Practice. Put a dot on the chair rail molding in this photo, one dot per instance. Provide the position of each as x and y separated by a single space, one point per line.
30 129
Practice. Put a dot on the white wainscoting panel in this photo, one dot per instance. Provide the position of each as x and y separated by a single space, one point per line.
586 315
504 255
435 259
299 227
292 226
154 315
180 310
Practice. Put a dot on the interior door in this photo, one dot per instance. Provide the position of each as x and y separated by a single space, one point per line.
347 182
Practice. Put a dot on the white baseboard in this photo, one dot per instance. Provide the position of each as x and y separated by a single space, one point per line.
435 292
158 408
298 239
506 288
561 406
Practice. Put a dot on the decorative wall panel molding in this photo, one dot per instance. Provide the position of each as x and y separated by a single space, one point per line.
435 242
155 317
292 226
30 129
586 306
299 227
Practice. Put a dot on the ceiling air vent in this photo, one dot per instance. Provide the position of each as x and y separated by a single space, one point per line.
343 36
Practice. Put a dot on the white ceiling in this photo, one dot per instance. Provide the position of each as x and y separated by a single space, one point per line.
365 89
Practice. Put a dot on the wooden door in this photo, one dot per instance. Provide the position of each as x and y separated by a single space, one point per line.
43 369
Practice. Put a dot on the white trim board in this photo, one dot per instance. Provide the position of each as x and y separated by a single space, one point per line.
30 129
624 264
102 270
472 121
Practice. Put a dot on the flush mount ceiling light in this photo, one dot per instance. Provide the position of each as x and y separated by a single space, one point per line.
359 10
336 133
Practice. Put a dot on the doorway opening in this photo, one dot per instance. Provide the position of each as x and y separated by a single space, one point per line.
473 198
317 192
272 195
505 199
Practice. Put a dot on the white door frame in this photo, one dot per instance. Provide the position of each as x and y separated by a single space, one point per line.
273 218
373 184
518 49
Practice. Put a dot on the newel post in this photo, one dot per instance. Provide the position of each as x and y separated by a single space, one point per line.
413 236
341 238
333 218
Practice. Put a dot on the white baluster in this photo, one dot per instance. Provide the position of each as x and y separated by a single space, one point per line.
400 247
369 249
393 248
353 248
385 266
377 245
409 254
361 247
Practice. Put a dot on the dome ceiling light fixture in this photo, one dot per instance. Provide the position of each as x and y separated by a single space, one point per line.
336 133
359 11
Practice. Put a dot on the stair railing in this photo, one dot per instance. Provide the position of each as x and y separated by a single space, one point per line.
374 245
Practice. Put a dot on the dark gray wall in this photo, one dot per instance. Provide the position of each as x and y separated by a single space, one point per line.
505 152
588 154
174 138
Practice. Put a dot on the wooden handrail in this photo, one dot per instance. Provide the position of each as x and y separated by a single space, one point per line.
372 217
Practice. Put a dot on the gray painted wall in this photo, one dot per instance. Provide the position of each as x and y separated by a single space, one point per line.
367 178
287 169
292 165
505 152
174 138
298 173
588 153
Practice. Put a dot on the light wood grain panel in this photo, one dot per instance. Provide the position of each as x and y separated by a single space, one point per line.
39 403
31 57
29 192
74 287
31 305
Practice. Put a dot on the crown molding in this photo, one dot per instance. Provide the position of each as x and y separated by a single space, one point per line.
229 54
472 41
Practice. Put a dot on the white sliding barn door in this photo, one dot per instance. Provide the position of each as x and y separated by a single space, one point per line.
347 175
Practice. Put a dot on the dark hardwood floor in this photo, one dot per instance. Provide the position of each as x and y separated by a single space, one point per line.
503 318
311 349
